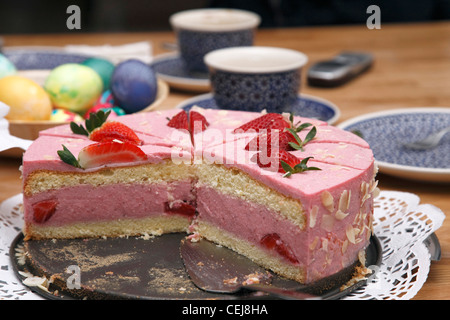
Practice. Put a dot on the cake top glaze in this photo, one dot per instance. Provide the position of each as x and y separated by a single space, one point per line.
338 155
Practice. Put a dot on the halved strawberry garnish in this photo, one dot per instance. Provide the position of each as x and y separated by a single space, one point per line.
114 130
178 207
286 138
103 153
179 121
283 162
273 242
267 121
273 139
44 210
269 160
197 122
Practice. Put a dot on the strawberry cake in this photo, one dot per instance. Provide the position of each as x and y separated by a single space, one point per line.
293 194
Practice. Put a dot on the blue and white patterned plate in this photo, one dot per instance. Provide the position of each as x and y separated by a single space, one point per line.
306 106
170 68
41 58
388 131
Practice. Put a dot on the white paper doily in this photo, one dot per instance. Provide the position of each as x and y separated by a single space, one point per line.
401 224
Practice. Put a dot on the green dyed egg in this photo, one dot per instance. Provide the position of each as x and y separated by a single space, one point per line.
73 87
103 67
7 68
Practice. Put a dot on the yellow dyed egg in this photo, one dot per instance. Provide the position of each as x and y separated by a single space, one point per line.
27 100
73 87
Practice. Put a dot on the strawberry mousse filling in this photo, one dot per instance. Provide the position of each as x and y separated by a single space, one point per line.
87 203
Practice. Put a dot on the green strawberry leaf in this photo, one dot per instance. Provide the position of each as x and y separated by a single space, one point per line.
66 156
96 120
298 168
78 129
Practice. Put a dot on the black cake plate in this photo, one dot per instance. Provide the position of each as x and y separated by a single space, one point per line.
141 268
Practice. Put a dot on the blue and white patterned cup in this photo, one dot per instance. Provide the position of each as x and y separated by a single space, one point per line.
255 78
200 31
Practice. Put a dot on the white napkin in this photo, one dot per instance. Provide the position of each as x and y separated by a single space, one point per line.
7 141
138 50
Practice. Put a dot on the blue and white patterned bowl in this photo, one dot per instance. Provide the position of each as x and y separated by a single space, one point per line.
200 31
306 106
255 78
388 131
27 58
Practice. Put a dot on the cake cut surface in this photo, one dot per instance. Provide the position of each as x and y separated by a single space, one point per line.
300 205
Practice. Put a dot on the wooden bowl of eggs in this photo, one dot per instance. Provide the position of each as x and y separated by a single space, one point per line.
45 88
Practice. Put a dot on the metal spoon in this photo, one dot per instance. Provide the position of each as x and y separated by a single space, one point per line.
429 142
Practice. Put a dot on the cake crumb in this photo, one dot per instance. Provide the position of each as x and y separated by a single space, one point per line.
230 281
195 237
253 278
360 274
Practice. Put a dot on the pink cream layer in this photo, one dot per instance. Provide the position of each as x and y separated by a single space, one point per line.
86 203
319 250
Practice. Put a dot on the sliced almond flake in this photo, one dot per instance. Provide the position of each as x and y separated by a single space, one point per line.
313 244
344 246
365 192
327 222
357 217
344 200
313 216
327 201
341 215
362 257
368 233
373 185
350 232
376 192
36 282
325 245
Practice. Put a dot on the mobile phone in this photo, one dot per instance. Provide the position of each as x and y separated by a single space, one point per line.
339 70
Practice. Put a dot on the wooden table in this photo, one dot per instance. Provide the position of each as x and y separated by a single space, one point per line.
412 69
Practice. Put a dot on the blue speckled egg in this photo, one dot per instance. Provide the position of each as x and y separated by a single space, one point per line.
133 85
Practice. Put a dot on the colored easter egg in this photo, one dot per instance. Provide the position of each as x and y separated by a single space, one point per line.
27 100
73 87
7 68
106 97
62 115
133 85
103 67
